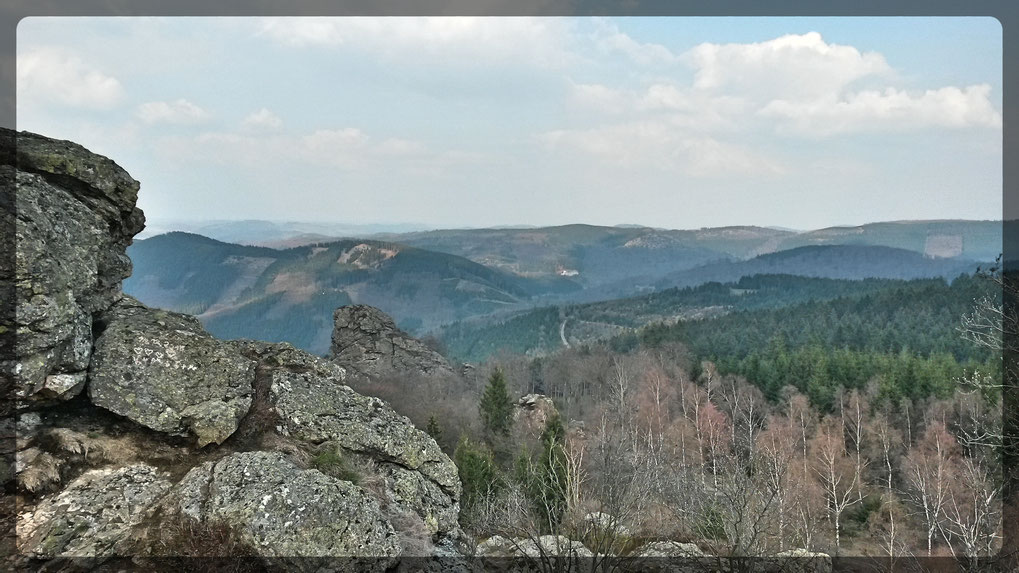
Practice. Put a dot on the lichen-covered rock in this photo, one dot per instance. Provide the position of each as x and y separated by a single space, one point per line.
76 215
366 340
313 405
532 413
281 510
93 516
164 371
545 546
669 549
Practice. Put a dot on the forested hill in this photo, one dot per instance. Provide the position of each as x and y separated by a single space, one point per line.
541 330
905 336
976 240
188 273
829 261
289 295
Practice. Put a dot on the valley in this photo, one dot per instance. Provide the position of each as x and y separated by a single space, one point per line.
462 284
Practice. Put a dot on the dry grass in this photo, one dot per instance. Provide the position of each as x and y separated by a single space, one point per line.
414 539
41 472
203 547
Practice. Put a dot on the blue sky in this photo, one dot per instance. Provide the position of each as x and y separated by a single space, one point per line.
455 122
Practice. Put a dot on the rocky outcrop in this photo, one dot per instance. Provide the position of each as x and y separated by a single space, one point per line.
367 341
313 405
253 416
94 515
281 510
532 413
75 216
162 370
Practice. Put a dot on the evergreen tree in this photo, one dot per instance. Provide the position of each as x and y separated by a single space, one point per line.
552 478
477 472
496 405
433 428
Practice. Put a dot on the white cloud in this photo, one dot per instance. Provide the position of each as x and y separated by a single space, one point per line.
678 106
609 39
538 41
179 111
890 109
349 149
55 75
602 98
662 146
790 67
262 119
794 84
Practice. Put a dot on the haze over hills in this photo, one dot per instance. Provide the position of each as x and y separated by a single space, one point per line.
976 240
433 278
256 292
272 233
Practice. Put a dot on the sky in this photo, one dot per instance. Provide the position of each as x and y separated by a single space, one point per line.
470 122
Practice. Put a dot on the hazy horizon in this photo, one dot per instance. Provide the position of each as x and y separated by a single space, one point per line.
676 123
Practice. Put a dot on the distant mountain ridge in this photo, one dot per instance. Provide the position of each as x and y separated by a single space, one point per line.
239 291
828 261
433 278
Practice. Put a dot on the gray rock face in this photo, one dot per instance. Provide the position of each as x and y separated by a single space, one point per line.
284 511
313 405
76 216
93 516
367 341
162 370
532 413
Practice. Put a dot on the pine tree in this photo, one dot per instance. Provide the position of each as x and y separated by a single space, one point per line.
433 428
496 405
477 472
552 482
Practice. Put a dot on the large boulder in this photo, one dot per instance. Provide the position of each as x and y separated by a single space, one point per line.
312 404
93 516
164 371
75 217
282 511
366 340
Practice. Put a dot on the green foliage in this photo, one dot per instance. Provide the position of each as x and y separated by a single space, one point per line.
478 473
552 477
538 330
496 406
433 428
710 525
905 337
330 462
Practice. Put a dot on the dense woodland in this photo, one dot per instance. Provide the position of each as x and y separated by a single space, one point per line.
867 423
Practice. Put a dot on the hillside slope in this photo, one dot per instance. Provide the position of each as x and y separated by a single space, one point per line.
289 295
